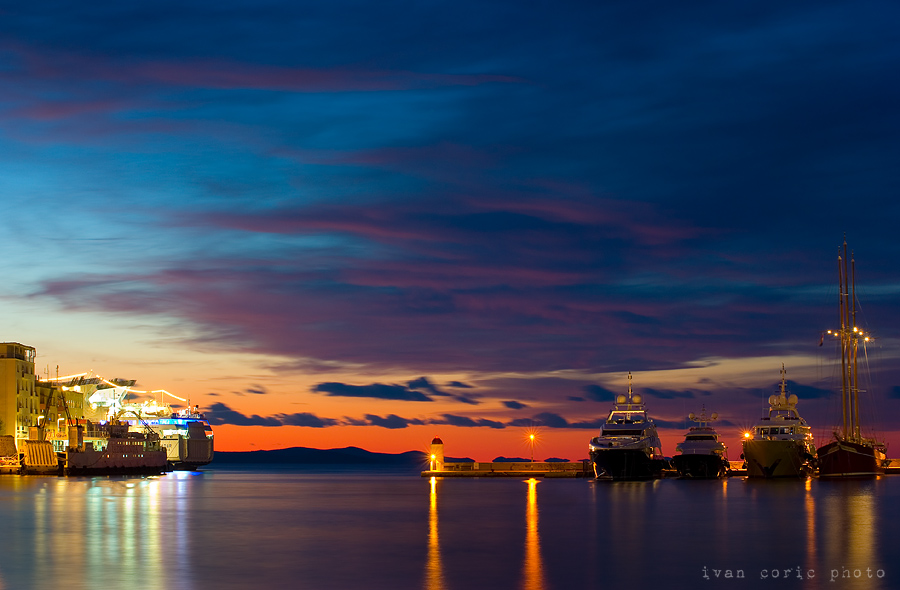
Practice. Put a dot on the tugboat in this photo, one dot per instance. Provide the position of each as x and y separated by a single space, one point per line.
702 454
781 444
628 446
850 454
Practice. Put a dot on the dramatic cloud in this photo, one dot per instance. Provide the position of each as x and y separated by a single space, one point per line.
468 422
391 421
306 419
424 383
598 393
375 390
524 201
219 413
514 405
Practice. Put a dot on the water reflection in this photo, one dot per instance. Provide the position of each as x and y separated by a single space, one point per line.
434 573
533 568
810 504
118 532
850 540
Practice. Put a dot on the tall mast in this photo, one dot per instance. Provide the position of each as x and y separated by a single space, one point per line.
844 384
854 392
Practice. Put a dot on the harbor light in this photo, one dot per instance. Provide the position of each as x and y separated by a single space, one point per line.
746 435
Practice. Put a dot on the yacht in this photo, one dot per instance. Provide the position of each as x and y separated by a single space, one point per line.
628 446
701 454
781 443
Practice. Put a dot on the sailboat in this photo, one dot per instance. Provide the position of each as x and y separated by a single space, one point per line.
850 454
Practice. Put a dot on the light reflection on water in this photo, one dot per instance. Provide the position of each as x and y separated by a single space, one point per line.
434 576
226 530
533 569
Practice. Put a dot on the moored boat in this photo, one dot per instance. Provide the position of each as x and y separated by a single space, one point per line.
701 454
186 435
628 446
850 454
110 449
781 444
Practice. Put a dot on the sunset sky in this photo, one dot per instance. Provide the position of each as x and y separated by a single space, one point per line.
368 223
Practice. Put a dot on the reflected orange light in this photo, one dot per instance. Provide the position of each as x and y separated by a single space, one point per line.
533 568
434 574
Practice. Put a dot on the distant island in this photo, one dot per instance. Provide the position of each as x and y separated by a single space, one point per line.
345 456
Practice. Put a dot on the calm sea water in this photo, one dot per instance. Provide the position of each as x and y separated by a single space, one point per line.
224 529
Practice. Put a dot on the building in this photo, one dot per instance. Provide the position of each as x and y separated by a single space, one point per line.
19 402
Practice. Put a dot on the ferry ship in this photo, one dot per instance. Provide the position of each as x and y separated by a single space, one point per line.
781 443
185 435
701 454
628 446
110 449
850 454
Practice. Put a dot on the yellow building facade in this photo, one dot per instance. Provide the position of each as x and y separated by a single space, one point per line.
19 400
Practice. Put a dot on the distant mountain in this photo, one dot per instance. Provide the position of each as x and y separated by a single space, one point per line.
307 456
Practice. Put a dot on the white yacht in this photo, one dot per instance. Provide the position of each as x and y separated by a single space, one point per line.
781 444
701 454
628 446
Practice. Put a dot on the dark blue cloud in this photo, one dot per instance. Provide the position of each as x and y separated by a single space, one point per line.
424 383
547 419
464 421
801 390
598 393
375 390
219 413
391 421
668 393
808 391
514 405
306 419
459 384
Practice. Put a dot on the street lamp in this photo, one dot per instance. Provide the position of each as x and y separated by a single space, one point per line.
531 436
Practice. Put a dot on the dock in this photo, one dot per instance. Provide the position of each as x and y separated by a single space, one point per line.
505 469
547 470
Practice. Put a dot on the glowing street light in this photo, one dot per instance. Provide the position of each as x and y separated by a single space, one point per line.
531 436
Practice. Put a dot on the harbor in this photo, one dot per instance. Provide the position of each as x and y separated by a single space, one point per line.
85 424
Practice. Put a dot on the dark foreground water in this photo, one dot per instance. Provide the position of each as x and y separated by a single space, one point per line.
224 529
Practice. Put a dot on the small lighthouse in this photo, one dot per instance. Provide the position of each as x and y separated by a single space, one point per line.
436 458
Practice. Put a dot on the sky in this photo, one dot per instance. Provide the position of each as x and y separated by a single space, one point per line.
365 224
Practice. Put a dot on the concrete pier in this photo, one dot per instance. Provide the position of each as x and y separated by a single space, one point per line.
502 469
